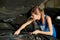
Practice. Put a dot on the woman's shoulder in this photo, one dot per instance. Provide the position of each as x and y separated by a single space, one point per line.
48 18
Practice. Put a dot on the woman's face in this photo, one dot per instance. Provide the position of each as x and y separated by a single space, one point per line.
36 14
36 17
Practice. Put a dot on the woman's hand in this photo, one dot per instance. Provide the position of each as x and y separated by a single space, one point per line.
17 32
35 32
35 17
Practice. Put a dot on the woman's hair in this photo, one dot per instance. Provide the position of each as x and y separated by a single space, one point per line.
34 9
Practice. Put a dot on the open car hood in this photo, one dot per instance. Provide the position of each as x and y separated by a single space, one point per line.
10 9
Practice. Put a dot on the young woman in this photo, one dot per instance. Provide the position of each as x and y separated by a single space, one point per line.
44 21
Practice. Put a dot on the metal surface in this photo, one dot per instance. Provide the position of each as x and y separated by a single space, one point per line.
24 36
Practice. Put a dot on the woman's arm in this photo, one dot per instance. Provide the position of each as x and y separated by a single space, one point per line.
23 26
49 26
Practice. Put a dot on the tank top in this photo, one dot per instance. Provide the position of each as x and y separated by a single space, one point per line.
45 26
